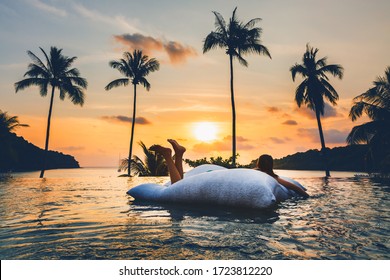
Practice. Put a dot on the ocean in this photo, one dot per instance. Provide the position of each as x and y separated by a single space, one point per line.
86 214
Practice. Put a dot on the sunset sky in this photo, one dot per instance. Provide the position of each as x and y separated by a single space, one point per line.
190 87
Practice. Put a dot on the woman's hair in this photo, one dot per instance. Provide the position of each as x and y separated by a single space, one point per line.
265 163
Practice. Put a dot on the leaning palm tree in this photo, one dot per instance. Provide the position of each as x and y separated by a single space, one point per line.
315 87
56 73
375 103
238 39
8 123
135 67
153 164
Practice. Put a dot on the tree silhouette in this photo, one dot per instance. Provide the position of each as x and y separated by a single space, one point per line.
375 103
238 39
8 123
315 87
135 67
153 164
55 73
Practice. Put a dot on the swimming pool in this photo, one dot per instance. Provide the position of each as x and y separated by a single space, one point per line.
86 214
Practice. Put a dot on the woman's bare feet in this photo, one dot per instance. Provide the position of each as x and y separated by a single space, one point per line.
166 152
179 150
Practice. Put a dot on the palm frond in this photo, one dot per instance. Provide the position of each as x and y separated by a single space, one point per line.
329 92
335 69
25 83
298 69
122 66
214 40
9 123
49 60
77 95
145 83
256 48
361 134
241 60
67 63
252 23
37 61
300 93
220 24
35 70
117 83
321 62
356 111
151 65
78 81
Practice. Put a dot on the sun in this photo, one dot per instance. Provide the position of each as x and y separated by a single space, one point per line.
205 131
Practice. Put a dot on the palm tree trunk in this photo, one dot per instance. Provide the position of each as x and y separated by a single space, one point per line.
132 131
323 148
233 113
47 134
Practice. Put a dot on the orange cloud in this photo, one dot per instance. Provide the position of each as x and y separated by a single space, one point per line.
277 140
177 52
224 145
139 41
273 109
290 122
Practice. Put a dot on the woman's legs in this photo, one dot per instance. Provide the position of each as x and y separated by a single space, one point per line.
175 168
179 151
167 154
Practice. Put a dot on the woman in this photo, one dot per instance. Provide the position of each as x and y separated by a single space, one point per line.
265 164
175 166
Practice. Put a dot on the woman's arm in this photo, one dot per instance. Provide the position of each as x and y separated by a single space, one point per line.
291 186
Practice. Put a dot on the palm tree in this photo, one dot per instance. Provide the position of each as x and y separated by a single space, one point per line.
8 155
238 39
315 87
375 103
8 123
57 73
135 67
153 164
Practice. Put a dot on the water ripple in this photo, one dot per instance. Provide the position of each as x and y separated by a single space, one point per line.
91 217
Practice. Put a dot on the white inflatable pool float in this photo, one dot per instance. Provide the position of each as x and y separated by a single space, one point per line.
216 185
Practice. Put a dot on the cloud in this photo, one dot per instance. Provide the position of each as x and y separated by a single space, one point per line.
139 41
47 8
273 109
191 108
124 119
117 21
238 138
332 136
290 122
224 145
177 52
329 112
277 140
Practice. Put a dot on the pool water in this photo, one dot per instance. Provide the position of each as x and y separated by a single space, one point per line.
86 214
